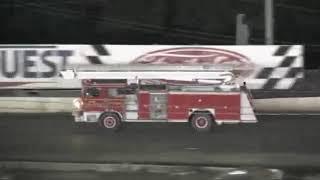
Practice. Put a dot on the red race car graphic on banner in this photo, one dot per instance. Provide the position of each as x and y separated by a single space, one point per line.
241 64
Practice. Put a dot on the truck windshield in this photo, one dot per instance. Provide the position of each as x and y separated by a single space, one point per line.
92 92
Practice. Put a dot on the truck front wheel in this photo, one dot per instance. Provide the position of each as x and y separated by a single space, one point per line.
202 122
110 121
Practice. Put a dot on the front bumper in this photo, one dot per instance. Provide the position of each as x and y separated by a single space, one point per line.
78 116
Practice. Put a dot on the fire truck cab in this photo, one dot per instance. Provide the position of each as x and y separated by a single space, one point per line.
111 102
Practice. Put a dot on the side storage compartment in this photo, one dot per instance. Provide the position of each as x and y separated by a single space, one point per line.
144 103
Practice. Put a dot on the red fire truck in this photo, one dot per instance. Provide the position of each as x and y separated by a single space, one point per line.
201 96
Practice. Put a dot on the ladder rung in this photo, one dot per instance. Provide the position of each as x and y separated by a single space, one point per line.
153 67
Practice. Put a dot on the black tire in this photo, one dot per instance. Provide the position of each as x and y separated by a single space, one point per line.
110 121
202 122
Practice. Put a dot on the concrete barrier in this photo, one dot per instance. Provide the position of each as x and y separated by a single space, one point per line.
35 104
301 104
49 105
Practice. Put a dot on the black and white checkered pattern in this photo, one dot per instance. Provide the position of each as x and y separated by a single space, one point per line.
97 54
282 76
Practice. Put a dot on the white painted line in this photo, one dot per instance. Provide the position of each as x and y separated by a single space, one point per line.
57 166
192 148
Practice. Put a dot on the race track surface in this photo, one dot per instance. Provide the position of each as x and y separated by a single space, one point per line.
277 141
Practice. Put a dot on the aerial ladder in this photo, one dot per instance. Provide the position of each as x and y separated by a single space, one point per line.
205 73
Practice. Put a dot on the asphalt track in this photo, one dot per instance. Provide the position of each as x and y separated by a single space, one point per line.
49 175
276 141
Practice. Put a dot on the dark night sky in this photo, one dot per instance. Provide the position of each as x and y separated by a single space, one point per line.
156 22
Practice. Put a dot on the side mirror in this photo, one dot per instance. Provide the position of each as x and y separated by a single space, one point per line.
67 74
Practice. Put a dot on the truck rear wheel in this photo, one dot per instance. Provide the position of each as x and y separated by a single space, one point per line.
110 121
202 122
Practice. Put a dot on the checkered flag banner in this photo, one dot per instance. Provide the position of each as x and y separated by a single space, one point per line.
281 76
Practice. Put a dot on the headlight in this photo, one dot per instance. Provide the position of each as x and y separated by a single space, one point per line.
77 103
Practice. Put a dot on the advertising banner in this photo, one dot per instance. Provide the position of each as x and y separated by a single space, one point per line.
38 66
